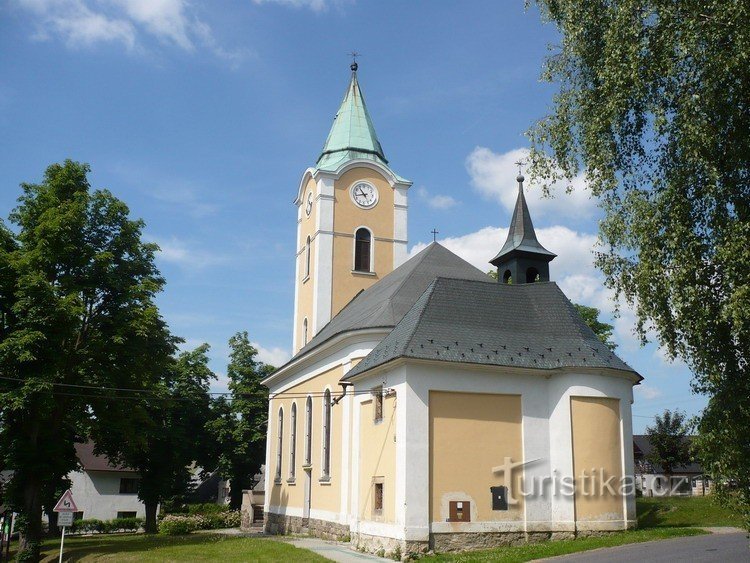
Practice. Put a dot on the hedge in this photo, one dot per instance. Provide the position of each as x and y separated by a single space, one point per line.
106 526
178 524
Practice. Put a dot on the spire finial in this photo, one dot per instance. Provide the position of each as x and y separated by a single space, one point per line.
354 66
520 163
435 233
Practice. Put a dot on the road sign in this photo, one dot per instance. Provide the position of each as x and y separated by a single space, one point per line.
66 503
65 519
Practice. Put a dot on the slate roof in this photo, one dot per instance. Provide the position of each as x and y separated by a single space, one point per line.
521 234
92 462
642 447
485 322
385 303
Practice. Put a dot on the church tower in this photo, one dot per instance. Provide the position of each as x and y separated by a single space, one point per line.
522 259
351 219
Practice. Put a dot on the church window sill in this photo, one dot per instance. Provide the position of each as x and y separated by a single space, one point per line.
360 273
326 480
277 481
290 481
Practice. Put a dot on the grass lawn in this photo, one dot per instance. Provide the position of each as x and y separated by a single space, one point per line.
532 551
194 547
683 511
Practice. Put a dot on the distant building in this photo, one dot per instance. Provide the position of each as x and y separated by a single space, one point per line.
651 481
103 490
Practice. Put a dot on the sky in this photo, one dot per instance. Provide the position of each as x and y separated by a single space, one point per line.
202 116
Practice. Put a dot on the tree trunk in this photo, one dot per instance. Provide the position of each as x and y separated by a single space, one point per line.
54 529
31 536
150 525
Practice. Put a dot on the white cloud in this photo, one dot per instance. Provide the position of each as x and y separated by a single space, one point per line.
274 356
436 201
314 5
647 392
83 23
493 175
176 251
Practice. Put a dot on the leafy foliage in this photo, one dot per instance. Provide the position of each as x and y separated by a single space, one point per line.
240 426
670 447
603 331
654 104
77 288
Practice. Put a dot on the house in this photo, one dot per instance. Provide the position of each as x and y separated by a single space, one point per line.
103 490
428 406
651 481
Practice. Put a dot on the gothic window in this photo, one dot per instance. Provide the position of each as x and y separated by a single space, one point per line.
532 275
308 431
362 250
304 332
280 444
307 258
327 434
293 441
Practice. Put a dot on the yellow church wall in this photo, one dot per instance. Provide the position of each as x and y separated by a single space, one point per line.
377 460
596 445
470 434
347 217
324 495
306 286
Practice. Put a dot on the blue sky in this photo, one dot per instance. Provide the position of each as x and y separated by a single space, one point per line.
202 116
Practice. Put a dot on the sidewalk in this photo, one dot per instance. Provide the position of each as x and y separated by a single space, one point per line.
335 551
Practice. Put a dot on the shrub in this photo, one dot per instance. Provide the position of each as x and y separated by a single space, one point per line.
106 526
207 508
174 524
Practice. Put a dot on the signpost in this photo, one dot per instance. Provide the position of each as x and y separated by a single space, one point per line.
65 508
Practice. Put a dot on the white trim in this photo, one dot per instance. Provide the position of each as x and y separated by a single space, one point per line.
267 475
372 250
400 225
283 510
381 529
296 277
315 173
323 288
350 189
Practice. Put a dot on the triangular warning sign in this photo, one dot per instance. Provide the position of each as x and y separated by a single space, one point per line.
66 503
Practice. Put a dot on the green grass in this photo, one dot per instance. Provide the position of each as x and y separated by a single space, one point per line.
683 511
532 551
194 547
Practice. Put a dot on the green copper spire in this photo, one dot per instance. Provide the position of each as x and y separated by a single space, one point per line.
352 134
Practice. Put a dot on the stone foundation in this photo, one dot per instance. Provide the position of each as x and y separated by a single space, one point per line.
389 547
284 524
469 541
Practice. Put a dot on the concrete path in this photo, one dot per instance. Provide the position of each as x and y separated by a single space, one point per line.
723 547
335 551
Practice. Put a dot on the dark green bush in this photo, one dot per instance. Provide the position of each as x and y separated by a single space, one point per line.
106 526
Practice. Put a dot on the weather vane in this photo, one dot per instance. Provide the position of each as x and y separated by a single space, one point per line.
435 233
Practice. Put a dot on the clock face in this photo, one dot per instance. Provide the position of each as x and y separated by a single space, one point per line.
364 194
309 204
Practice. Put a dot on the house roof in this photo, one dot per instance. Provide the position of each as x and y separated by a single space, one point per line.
642 448
521 233
385 303
484 322
93 462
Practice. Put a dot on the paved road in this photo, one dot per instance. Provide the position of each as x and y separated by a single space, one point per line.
726 548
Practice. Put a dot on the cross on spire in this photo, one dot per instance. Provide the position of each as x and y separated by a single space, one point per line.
435 233
354 64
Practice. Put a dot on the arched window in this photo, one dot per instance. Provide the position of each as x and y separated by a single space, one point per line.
308 431
304 332
507 277
293 441
280 444
532 275
307 258
362 250
327 434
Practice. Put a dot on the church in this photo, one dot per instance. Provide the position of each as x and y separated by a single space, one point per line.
429 406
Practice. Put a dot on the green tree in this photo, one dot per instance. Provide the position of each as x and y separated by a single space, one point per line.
653 103
172 434
240 425
669 441
603 331
77 285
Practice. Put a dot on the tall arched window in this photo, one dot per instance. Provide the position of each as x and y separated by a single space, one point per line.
362 250
304 332
307 257
308 431
327 434
280 444
507 277
293 441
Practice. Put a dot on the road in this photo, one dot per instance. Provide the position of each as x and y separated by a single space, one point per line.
726 548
